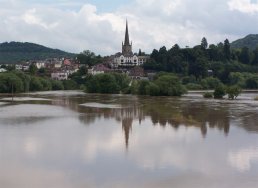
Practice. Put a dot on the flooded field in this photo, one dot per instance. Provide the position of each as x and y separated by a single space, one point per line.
71 139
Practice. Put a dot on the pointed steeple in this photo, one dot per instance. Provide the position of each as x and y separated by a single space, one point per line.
126 35
126 46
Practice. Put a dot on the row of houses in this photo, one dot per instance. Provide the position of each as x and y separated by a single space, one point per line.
135 72
57 69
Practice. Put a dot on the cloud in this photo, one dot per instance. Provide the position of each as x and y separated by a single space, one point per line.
76 26
242 159
245 6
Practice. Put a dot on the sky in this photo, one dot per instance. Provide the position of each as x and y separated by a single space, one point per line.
99 25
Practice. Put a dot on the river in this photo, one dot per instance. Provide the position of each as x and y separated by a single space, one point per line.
70 139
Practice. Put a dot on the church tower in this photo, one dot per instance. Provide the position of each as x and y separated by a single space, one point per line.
126 46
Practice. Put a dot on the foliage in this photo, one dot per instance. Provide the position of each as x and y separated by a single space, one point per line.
142 84
9 82
107 83
170 85
208 95
15 52
256 98
204 43
35 84
57 85
152 89
210 83
192 86
233 91
33 69
250 41
219 92
70 85
89 58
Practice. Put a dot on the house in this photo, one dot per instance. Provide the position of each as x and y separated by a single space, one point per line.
59 75
98 69
67 62
136 73
40 64
2 70
22 67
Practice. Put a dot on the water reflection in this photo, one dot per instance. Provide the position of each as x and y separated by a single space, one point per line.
162 111
128 141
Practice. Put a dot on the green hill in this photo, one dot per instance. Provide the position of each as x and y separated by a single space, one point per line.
250 41
15 52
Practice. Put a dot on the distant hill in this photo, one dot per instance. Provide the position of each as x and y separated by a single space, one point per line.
15 52
250 41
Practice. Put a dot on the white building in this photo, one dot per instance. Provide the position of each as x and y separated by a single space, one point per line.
98 69
59 75
40 64
2 70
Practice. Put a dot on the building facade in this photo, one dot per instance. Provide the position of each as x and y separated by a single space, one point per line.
127 58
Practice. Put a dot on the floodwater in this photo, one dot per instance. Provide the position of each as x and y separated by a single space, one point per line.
71 139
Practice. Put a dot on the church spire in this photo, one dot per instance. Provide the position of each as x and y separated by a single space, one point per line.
127 42
127 47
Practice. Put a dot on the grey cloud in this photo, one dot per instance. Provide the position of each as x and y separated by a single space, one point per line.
152 24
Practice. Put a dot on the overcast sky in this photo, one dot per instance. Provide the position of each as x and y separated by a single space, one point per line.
99 25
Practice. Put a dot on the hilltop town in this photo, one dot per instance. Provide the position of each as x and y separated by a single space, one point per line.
125 61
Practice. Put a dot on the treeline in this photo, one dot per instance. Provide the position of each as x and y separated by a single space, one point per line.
202 61
15 52
164 84
19 82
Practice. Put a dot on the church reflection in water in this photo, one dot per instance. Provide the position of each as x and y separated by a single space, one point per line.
162 112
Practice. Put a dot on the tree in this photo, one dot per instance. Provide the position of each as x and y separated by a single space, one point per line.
255 59
35 84
204 43
70 85
198 68
233 92
251 83
170 85
142 84
210 83
33 69
152 89
244 56
219 92
102 83
89 58
57 85
226 49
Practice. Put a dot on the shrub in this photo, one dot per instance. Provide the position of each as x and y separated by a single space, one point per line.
152 89
251 83
210 83
208 95
170 85
142 84
233 92
256 98
70 85
219 92
192 86
57 85
35 84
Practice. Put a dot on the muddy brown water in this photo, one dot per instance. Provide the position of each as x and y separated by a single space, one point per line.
71 139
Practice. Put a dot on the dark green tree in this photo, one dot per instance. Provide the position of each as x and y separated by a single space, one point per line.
226 49
244 56
204 43
219 92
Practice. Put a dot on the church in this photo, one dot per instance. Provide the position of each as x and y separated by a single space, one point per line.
127 58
